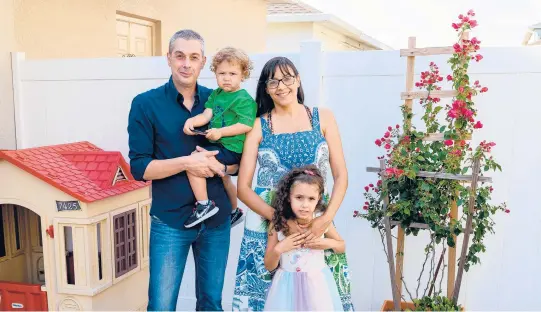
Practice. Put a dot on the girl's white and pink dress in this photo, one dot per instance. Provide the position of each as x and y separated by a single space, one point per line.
303 282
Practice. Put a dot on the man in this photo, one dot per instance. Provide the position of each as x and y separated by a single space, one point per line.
160 151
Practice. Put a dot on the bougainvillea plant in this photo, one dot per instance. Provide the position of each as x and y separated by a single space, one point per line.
406 150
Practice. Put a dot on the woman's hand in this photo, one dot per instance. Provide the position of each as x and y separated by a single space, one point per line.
320 243
317 227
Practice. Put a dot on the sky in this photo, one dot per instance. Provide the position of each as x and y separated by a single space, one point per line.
501 22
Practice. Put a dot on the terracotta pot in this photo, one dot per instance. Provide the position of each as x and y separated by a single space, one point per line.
388 305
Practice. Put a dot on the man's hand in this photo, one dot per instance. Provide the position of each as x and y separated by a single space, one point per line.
214 134
231 169
205 165
188 127
212 164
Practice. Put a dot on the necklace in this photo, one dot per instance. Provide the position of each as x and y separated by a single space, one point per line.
303 225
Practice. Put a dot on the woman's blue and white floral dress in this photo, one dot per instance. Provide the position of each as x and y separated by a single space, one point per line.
277 155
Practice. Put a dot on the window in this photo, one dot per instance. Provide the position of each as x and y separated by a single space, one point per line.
125 240
70 259
120 176
98 246
84 253
137 36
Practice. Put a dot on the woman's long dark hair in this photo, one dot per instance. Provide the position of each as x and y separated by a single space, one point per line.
262 98
281 202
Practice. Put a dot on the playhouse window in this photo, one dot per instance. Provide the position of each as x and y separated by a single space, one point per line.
125 240
85 253
70 257
98 239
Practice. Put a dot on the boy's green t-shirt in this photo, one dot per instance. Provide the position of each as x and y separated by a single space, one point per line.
229 108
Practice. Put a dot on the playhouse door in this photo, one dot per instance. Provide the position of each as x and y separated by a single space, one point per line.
22 297
36 256
38 268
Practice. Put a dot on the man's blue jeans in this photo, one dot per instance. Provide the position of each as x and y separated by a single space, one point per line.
169 249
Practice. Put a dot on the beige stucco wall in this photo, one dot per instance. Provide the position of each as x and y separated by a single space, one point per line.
82 28
334 41
287 37
7 44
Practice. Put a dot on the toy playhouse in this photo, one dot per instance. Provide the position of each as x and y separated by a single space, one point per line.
74 230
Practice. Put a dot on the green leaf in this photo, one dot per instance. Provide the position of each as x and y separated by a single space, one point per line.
420 158
442 128
464 170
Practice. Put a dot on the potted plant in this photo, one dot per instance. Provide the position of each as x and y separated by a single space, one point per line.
406 197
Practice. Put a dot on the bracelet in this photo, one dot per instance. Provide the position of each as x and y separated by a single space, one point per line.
225 169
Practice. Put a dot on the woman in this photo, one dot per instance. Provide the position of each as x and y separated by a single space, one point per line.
287 135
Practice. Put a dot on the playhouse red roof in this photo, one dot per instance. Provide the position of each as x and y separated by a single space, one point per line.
80 169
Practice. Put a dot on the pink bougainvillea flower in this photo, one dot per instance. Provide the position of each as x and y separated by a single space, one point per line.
478 125
448 142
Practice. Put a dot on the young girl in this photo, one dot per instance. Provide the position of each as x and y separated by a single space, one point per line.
231 112
302 281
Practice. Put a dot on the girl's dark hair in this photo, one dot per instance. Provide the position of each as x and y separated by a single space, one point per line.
281 202
262 98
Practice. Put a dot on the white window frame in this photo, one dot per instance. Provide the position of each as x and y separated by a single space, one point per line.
87 284
144 207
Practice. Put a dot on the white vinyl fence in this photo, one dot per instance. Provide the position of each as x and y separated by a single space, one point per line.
67 100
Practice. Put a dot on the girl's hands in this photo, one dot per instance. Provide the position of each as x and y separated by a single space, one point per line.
291 242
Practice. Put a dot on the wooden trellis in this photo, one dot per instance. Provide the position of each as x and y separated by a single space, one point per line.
395 270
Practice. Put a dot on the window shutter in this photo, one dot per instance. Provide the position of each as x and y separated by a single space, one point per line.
131 239
119 222
125 231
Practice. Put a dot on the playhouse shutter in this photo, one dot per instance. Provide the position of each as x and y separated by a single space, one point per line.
119 222
125 242
131 239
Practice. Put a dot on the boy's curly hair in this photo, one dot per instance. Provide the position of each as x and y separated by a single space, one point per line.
233 55
281 203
